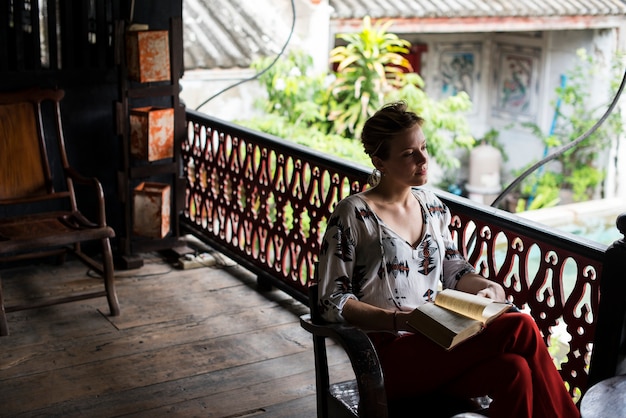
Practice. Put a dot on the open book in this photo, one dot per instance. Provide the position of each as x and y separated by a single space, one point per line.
455 316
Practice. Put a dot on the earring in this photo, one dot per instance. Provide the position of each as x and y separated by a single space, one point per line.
374 178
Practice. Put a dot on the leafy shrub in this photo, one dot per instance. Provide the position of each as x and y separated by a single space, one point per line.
327 111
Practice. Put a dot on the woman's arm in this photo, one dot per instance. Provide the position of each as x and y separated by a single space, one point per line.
477 284
370 318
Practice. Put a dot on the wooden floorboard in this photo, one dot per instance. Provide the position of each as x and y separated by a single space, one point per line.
201 342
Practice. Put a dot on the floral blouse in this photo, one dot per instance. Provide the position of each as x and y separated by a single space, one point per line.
362 258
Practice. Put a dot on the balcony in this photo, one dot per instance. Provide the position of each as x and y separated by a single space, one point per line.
264 202
207 342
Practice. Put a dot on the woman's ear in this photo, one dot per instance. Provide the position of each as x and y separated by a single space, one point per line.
378 163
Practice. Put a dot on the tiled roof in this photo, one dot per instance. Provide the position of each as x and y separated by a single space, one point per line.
232 33
347 9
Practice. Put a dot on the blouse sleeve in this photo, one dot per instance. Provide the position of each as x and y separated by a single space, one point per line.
336 262
454 264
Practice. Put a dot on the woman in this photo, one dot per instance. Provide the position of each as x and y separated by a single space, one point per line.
388 249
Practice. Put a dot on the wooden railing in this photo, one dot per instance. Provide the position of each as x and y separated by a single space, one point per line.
264 202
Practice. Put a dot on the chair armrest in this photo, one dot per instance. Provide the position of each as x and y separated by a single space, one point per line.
363 357
95 184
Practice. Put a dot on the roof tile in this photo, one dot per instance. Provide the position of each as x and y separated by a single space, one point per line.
356 9
233 33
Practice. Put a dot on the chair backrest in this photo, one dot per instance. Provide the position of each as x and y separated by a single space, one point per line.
314 303
24 168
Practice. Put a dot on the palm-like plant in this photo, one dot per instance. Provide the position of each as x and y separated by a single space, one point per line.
370 73
368 67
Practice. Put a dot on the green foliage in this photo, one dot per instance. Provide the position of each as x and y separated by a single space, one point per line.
368 67
293 91
577 168
329 143
539 190
582 179
327 111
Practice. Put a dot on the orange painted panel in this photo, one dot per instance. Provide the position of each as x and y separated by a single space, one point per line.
152 133
151 210
148 55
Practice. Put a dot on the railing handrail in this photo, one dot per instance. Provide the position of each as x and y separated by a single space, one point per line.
518 224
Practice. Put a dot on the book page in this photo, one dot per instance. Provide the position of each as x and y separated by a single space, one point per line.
494 310
473 306
445 327
452 321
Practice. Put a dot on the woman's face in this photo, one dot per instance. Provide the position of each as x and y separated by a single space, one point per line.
408 159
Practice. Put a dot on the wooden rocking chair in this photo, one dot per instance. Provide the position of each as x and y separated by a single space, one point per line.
28 228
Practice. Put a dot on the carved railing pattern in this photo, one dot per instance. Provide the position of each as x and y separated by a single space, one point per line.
262 199
264 202
544 272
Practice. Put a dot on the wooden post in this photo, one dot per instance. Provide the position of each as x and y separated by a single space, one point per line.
608 341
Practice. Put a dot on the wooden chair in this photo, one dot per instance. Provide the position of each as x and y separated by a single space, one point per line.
39 215
365 395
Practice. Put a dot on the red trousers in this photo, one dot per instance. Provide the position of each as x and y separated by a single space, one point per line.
508 361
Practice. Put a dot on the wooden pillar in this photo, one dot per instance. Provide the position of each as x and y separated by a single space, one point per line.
608 349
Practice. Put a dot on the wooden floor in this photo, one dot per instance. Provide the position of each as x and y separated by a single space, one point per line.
189 343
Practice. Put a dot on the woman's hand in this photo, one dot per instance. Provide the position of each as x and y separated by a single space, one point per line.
493 291
478 285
